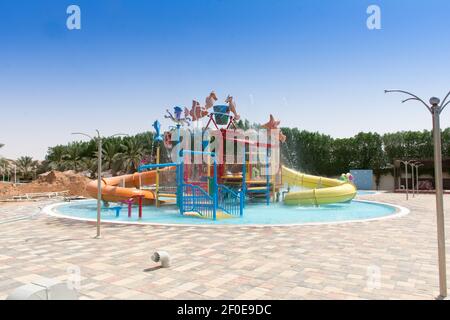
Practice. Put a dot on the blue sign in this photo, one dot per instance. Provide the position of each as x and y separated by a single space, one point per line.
362 179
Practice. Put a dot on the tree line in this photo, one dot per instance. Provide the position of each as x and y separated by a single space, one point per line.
321 154
310 152
119 155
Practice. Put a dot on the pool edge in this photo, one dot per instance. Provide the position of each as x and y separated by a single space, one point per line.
400 212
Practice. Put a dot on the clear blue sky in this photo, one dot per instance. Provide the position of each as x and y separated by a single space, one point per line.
313 64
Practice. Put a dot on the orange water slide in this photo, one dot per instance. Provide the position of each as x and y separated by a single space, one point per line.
121 188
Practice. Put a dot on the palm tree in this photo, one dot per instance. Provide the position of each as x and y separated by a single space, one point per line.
56 157
110 159
131 155
4 164
90 164
26 166
74 156
4 168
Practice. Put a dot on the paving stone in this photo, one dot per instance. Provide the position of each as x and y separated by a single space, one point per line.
384 259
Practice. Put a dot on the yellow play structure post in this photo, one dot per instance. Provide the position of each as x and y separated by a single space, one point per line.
157 177
208 163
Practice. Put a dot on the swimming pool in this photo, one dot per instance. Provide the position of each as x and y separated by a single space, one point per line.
254 214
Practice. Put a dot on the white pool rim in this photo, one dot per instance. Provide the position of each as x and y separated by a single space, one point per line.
400 212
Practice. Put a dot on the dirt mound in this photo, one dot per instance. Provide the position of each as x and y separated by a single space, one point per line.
52 181
7 189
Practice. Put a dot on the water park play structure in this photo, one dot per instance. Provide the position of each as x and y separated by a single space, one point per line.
214 188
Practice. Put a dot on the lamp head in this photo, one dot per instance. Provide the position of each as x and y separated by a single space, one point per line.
434 101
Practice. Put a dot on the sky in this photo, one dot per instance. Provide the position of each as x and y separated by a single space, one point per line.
313 64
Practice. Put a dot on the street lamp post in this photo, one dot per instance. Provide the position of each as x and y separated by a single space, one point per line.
412 177
435 108
415 184
405 163
98 138
418 164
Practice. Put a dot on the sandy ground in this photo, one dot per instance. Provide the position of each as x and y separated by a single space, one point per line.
52 181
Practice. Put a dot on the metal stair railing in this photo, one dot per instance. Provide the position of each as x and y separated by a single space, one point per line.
229 201
195 199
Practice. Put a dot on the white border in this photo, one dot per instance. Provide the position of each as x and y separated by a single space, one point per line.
400 212
373 193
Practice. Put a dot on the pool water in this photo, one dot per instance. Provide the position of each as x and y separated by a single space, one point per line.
254 214
358 192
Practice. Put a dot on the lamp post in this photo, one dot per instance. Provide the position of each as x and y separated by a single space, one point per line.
98 138
411 163
418 164
414 181
405 163
435 108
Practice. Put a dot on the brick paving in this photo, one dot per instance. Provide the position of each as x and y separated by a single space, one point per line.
385 259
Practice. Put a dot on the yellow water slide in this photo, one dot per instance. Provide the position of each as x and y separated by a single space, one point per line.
321 190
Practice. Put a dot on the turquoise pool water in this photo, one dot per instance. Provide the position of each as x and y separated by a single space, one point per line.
254 214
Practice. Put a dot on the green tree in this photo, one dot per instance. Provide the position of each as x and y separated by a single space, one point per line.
144 140
368 153
74 156
409 145
342 155
288 151
4 165
243 124
445 142
132 154
91 165
313 152
26 167
109 156
310 152
56 157
5 169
